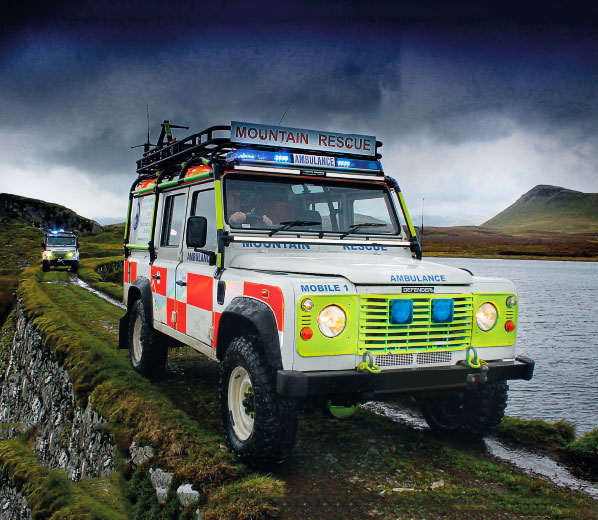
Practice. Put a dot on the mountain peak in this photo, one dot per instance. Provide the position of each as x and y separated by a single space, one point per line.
549 208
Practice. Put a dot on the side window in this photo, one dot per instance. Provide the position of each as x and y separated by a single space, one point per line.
203 204
172 220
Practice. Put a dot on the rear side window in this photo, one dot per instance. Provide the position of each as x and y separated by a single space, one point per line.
172 220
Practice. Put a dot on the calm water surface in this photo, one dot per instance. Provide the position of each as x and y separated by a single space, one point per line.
558 328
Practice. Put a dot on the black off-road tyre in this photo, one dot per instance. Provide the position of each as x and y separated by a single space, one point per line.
467 413
259 424
147 349
45 266
75 267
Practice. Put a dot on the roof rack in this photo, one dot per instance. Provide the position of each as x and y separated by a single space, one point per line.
168 158
171 155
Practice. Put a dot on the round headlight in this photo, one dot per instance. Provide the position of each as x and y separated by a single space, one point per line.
511 301
331 321
486 316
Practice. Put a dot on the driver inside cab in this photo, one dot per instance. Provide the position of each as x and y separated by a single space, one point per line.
272 208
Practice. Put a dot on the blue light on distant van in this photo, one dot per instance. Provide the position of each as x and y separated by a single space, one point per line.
401 312
443 310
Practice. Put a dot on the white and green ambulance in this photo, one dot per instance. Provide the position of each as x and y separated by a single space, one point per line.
288 255
61 249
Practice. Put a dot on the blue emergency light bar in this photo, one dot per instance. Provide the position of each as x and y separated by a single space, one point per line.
299 160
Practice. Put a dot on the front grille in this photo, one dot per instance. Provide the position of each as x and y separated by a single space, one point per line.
401 360
378 335
393 360
424 358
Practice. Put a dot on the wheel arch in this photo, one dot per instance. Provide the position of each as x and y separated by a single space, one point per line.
140 289
249 316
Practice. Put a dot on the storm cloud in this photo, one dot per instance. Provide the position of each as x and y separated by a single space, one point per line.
475 106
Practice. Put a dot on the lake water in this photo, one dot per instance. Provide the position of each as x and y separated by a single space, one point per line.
558 328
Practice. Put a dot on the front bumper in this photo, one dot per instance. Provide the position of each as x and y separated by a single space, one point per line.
56 262
368 386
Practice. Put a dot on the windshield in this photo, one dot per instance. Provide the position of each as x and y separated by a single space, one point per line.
323 205
61 241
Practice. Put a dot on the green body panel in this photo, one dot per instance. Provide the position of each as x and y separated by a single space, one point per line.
497 336
368 325
320 345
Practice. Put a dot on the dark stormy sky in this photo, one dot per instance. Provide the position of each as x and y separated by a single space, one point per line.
476 103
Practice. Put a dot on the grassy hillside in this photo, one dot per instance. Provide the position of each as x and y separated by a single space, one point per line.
477 242
549 209
363 467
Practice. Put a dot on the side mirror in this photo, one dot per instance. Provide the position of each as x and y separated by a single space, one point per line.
197 230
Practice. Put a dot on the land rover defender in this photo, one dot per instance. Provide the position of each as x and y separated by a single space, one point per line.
288 255
61 248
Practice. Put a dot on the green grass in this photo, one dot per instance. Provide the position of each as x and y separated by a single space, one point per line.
550 208
110 269
583 453
80 330
108 243
19 248
536 433
50 494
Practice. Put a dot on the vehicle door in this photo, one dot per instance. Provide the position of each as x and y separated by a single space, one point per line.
195 276
169 240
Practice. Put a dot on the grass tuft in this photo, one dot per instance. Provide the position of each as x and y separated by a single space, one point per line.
584 453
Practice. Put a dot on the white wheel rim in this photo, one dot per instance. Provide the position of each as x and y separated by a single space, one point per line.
137 348
240 389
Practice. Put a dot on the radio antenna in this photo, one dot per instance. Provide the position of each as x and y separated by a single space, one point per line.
285 112
148 136
422 229
148 144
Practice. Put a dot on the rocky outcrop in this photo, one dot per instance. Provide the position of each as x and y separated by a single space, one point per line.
13 505
45 215
36 392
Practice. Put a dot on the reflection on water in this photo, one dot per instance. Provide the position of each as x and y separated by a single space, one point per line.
558 328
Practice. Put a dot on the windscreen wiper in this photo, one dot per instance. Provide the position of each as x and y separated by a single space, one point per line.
355 227
293 223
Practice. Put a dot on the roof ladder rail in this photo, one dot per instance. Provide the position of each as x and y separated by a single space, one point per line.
173 154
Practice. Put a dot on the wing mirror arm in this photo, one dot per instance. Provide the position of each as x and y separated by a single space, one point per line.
210 254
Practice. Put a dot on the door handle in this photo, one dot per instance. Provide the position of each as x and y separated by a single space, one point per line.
182 283
156 276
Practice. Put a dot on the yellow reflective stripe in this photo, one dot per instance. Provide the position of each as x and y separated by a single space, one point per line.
219 212
406 213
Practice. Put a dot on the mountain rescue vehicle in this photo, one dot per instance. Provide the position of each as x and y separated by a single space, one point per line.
288 255
61 248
